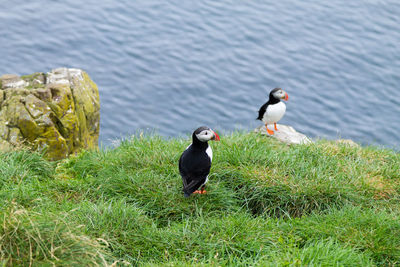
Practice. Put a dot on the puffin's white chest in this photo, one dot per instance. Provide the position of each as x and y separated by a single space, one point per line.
274 113
209 152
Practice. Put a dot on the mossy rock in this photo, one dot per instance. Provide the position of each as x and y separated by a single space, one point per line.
57 113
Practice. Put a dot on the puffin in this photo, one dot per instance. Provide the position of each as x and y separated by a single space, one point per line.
274 109
195 161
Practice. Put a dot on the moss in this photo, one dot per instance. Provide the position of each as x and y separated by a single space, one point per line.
34 76
35 106
34 86
69 121
86 97
1 97
62 97
52 143
14 135
65 119
35 80
3 130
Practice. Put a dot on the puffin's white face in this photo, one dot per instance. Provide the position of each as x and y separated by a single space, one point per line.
207 135
281 94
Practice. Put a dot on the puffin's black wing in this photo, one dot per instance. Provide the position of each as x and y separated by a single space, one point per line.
262 110
194 166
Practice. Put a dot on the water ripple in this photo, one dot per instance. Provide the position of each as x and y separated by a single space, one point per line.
172 65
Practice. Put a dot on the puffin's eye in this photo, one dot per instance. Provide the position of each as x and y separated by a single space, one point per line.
206 133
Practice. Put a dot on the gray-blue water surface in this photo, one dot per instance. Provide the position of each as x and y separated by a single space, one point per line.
170 66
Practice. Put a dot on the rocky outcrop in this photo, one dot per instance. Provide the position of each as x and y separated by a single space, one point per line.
57 113
286 134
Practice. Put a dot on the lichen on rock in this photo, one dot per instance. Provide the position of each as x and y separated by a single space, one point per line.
57 113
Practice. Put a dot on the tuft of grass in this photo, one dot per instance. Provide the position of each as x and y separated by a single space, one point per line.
16 166
365 229
32 238
281 200
126 221
322 253
23 176
268 204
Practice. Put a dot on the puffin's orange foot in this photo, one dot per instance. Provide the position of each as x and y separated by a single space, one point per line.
276 129
270 131
203 192
197 192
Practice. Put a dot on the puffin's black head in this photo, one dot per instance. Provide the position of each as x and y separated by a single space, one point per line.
278 94
204 134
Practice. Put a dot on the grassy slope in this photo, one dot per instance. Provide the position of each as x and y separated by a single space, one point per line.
267 204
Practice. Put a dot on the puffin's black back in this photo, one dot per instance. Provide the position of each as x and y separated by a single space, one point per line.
272 100
194 164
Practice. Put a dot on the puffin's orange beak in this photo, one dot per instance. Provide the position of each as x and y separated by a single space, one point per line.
216 137
286 97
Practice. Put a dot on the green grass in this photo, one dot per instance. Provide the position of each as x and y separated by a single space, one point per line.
268 204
